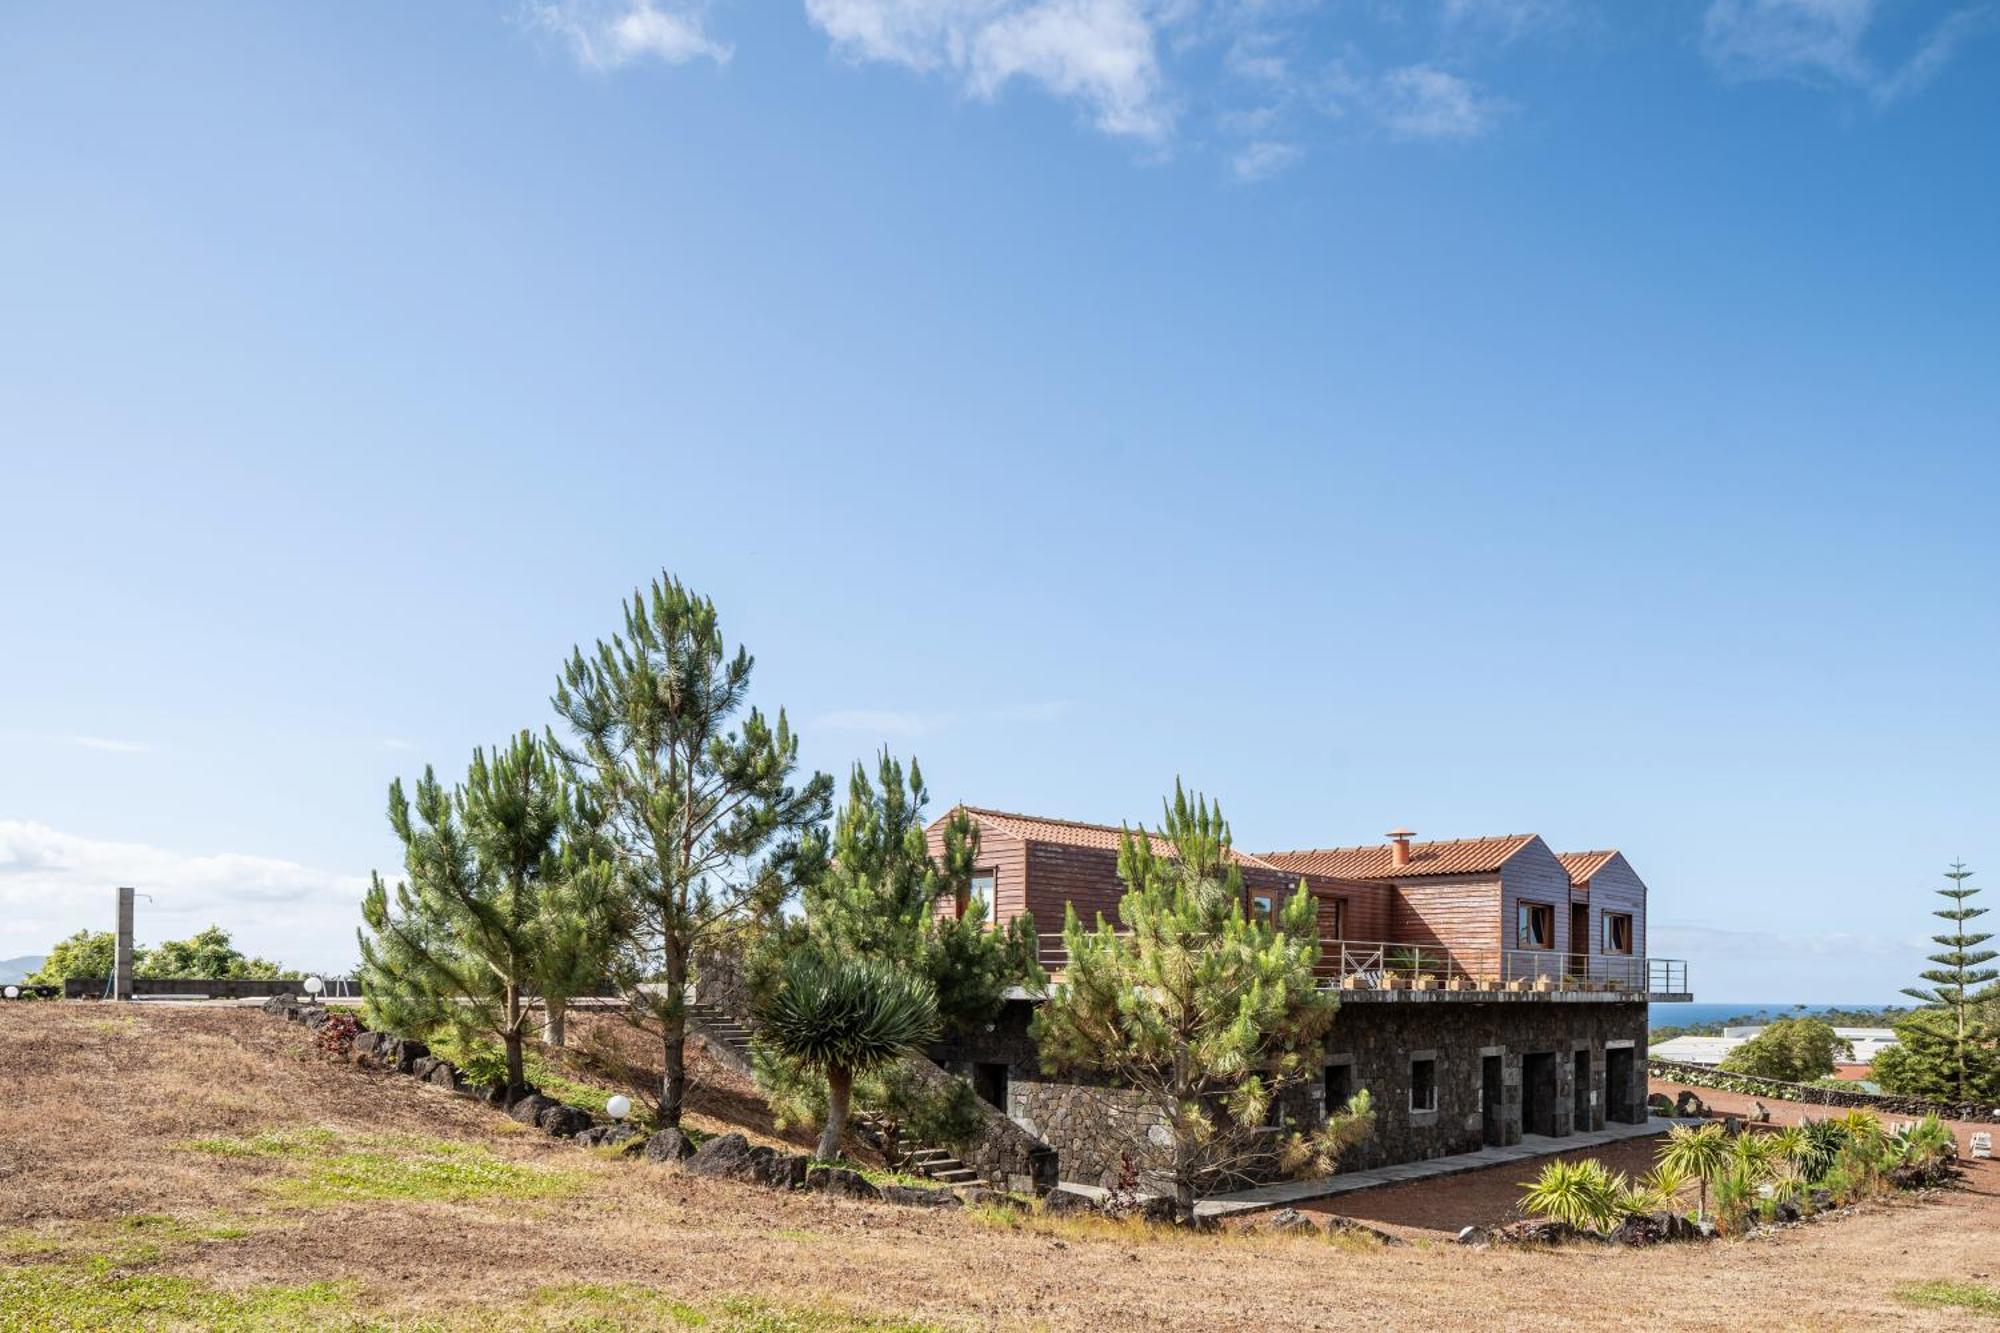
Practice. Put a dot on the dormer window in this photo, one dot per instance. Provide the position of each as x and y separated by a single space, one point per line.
980 887
1618 932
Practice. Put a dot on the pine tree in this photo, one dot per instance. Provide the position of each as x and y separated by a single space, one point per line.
1943 1050
469 941
1206 1013
697 795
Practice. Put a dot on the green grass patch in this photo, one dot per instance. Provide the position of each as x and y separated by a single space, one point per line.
125 1243
591 1306
57 1299
272 1143
325 1169
1945 1294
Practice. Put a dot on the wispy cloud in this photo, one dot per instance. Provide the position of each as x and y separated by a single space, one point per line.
1262 159
396 743
54 883
1423 102
110 746
605 34
1100 54
1826 41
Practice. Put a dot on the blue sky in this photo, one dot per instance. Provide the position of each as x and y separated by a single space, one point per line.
1480 415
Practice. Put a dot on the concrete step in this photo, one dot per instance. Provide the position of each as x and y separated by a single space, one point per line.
962 1176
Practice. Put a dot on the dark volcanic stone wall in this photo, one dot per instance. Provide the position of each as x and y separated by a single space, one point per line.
1093 1127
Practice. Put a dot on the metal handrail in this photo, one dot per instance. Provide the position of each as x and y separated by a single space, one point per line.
1355 965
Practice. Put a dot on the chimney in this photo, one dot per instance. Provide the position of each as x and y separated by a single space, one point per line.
1399 846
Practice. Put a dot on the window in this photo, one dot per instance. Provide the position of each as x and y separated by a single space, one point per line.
1618 932
1424 1085
1260 907
1339 1087
1535 927
980 887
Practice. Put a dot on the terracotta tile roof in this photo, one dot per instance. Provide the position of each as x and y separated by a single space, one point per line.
1072 833
1582 865
1462 856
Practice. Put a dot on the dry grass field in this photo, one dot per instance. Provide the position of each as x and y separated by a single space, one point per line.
188 1168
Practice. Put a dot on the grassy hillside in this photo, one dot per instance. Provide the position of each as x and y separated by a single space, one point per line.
204 1169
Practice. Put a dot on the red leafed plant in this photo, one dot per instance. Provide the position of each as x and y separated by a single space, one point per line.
337 1034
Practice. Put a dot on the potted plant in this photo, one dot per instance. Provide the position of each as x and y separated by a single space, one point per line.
1425 981
1458 981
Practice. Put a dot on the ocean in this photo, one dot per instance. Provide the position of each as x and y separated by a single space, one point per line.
1683 1015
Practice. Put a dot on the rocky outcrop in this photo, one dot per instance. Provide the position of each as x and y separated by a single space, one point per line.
669 1145
563 1122
841 1182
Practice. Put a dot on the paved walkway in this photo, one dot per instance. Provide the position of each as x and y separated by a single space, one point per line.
1287 1192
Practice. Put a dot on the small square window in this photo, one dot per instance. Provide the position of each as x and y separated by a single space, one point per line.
1618 932
1423 1085
1260 907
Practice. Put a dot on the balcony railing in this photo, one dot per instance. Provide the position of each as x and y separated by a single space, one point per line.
1356 965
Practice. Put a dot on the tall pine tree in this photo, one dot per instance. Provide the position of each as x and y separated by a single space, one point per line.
473 936
697 794
1206 1013
1947 1049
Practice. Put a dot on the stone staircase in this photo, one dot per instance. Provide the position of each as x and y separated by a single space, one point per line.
723 1028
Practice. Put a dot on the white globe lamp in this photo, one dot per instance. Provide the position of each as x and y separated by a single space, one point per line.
314 985
618 1107
13 992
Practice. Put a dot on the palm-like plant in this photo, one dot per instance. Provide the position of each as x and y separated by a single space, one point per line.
1696 1153
1824 1140
1926 1143
1757 1154
843 1017
1582 1194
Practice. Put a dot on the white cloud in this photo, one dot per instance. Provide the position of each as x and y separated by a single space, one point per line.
110 746
1423 102
53 884
1822 41
396 743
1099 53
1263 159
604 34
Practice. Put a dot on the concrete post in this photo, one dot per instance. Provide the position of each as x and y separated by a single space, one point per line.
121 975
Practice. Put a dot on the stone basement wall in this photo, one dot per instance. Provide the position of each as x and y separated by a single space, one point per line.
1750 1085
1378 1041
224 988
1093 1128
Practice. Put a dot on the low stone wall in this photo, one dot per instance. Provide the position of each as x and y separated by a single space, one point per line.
208 988
1750 1085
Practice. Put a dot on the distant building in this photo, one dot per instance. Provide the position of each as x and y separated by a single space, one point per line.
1867 1042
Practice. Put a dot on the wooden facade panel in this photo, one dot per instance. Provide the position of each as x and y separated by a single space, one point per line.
1459 913
1533 874
1617 888
1007 858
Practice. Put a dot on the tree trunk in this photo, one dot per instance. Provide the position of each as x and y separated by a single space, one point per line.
552 1022
839 1092
1184 1198
673 1081
516 1082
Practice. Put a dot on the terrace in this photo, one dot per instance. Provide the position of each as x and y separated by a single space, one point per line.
1385 970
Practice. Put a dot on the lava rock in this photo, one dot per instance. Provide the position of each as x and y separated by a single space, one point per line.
422 1068
528 1108
974 1196
911 1196
768 1166
841 1182
1688 1106
444 1075
1347 1226
1538 1231
1472 1235
723 1157
564 1122
1068 1201
1291 1222
669 1145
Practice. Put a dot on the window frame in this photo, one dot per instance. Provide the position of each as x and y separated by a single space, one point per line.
992 876
1415 1062
1527 909
1629 921
1269 913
